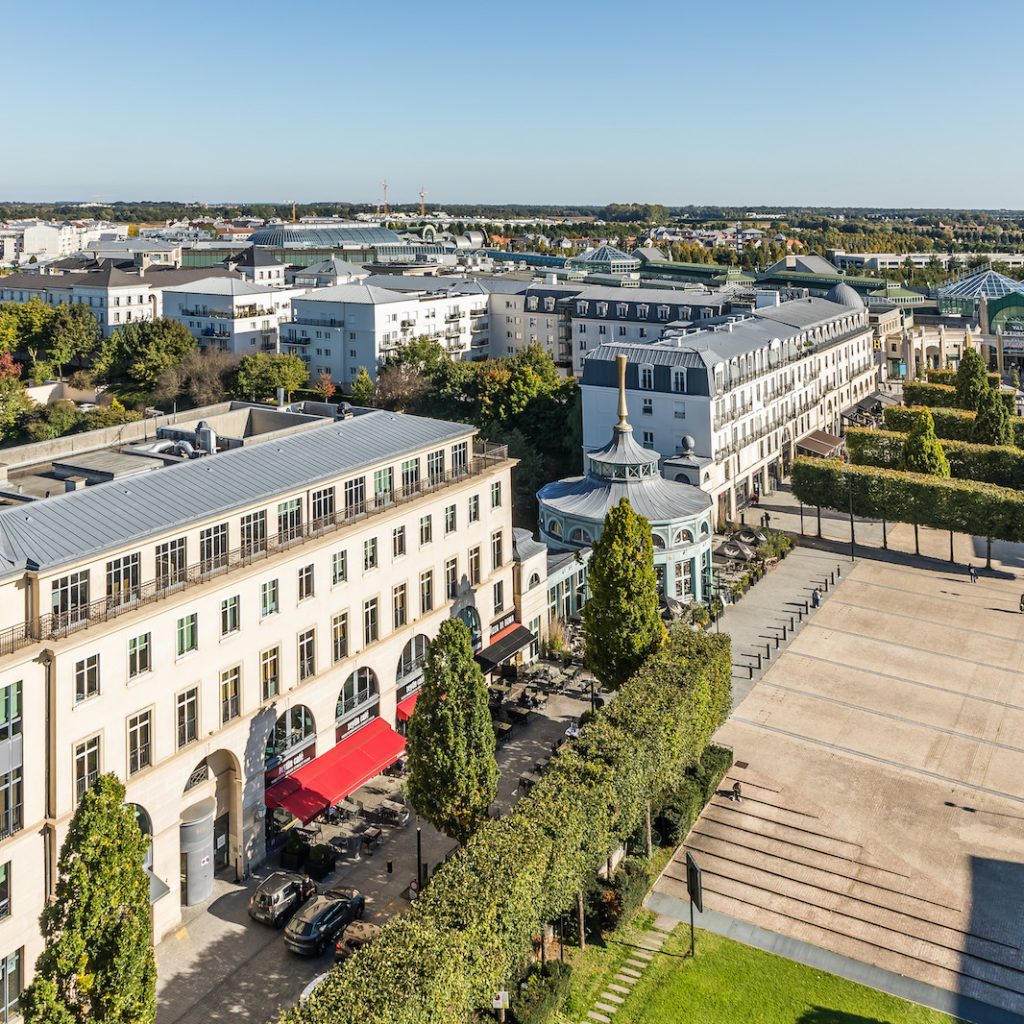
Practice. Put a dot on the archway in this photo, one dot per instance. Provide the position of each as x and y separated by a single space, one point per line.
471 617
409 675
291 744
358 702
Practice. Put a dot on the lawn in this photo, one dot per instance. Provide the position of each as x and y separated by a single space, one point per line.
730 983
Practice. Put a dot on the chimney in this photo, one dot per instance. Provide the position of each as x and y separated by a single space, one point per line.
790 261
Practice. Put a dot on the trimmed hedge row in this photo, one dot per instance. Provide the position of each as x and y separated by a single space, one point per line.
674 816
990 463
543 992
472 929
949 377
950 424
943 396
965 506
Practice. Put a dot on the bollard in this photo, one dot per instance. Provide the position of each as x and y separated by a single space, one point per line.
839 571
758 656
833 577
767 652
750 669
792 624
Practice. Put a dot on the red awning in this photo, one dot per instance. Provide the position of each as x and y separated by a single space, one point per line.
405 707
331 777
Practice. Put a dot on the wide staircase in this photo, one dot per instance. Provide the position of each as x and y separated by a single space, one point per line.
778 860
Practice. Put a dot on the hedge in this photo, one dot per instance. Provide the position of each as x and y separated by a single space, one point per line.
965 506
676 813
943 396
1001 465
951 424
949 377
543 991
472 929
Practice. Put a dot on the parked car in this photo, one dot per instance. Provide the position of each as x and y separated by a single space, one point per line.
354 937
321 918
276 897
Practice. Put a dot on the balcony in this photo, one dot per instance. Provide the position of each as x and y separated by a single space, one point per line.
310 321
242 313
57 625
453 318
408 323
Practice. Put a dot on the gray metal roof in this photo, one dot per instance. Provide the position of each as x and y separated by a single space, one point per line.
81 524
656 499
525 546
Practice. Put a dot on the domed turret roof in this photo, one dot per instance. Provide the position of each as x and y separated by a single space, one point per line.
843 295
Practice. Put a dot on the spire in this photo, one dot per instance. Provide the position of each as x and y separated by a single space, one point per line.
622 427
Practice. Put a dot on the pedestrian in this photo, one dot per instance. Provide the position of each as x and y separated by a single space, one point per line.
974 573
308 887
816 598
1022 604
737 793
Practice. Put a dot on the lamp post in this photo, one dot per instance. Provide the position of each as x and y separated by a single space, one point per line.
419 858
849 481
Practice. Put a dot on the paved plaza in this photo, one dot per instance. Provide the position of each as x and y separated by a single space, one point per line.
881 754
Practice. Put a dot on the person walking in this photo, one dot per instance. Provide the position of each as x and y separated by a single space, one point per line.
816 598
974 573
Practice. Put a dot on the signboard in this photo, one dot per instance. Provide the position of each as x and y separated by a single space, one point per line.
503 623
694 886
501 1001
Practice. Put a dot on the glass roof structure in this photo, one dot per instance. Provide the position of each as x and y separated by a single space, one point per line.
328 236
986 282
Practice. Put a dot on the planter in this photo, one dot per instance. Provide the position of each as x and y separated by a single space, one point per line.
292 860
320 869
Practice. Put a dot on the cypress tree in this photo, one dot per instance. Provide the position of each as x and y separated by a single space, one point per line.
453 774
992 420
971 379
98 965
621 620
922 450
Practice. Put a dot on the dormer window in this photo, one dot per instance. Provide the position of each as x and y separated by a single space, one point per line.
531 302
646 377
663 312
602 309
549 304
643 311
622 309
679 381
582 308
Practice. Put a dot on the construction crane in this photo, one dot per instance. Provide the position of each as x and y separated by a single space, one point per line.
423 205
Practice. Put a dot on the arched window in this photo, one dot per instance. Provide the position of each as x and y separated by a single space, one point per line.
410 665
555 528
145 824
360 690
534 581
293 740
704 529
684 537
658 542
580 536
471 618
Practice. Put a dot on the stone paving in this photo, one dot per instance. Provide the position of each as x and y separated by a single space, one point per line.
881 752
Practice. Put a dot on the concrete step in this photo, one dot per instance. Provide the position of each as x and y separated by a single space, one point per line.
606 1007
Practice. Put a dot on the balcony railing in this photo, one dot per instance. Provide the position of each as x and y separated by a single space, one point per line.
453 318
243 313
57 625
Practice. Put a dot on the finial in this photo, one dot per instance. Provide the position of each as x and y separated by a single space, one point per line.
623 425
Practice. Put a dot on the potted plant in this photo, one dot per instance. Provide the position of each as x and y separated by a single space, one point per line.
294 852
320 862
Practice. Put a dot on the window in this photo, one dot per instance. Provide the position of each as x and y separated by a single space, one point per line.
307 654
359 690
269 602
496 494
355 496
229 694
289 519
371 621
306 585
188 634
679 381
460 458
474 508
5 899
213 547
435 466
679 411
648 407
230 620
369 554
87 764
323 506
254 533
188 716
399 605
449 519
140 738
10 979
10 802
451 578
87 678
70 597
339 567
339 636
383 486
171 564
140 657
426 591
411 476
270 673
123 580
497 555
426 529
647 378
648 439
499 596
474 566
10 711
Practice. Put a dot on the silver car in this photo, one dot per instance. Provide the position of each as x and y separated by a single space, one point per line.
277 896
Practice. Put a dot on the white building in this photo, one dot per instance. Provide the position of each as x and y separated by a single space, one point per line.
258 266
39 238
214 626
230 313
728 407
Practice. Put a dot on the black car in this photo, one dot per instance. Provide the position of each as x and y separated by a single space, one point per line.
320 919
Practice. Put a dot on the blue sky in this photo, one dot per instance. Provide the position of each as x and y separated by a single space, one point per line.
566 101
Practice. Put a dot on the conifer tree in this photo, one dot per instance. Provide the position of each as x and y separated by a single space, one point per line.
971 379
922 450
992 423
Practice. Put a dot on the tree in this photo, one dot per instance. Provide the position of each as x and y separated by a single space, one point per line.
971 379
325 387
72 334
45 422
205 376
142 350
922 450
621 622
97 966
401 388
453 774
23 325
14 401
992 423
262 373
362 388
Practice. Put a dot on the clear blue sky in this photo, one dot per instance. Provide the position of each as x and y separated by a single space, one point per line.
880 102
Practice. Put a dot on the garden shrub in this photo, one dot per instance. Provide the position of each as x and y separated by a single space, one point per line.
541 994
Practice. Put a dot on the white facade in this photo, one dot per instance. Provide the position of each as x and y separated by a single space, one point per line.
206 641
231 314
